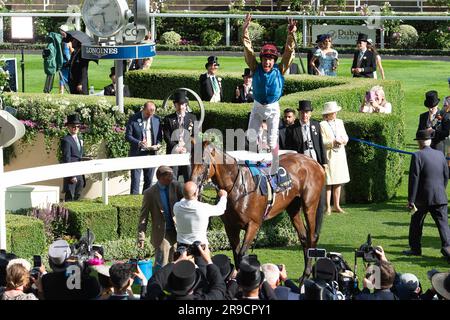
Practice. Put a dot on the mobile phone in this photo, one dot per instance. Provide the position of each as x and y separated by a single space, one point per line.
37 261
316 253
280 267
134 263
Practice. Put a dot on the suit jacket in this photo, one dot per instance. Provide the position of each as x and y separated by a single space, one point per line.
134 132
151 203
78 73
110 91
368 63
242 97
385 294
206 88
428 177
441 130
70 153
298 144
170 124
285 135
54 285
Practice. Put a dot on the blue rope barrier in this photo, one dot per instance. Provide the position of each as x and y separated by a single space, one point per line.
383 147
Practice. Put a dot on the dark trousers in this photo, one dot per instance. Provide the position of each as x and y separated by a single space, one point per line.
136 175
185 171
440 217
73 190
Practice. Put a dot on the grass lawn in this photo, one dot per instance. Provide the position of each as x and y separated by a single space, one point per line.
387 222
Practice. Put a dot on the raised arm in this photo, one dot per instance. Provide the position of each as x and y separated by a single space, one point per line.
249 54
289 49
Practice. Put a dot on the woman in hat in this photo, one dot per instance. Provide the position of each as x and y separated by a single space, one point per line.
371 47
375 101
328 57
334 139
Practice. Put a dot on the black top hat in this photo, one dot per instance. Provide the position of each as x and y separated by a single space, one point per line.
212 60
431 99
247 72
305 105
423 135
250 276
73 119
113 71
180 97
318 38
183 278
362 37
224 264
325 269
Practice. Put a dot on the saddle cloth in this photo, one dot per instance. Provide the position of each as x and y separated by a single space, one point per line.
268 184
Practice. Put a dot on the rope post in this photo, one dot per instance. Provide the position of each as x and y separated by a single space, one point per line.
305 31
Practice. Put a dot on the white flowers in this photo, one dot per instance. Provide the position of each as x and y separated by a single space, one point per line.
115 108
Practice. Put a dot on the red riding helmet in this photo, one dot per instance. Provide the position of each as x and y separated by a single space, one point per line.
269 50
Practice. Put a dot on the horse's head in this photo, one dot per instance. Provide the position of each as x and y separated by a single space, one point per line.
203 172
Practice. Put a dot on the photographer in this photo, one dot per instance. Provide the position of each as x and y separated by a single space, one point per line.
440 286
275 275
382 279
17 283
67 281
122 276
192 218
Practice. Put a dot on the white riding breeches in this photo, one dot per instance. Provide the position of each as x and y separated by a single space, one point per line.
270 113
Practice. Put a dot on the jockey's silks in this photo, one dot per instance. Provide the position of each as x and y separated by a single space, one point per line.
267 86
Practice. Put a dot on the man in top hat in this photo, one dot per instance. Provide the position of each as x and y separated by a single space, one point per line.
436 122
428 177
210 84
307 139
268 83
144 133
244 92
250 280
178 129
364 63
110 90
158 201
228 273
72 151
310 56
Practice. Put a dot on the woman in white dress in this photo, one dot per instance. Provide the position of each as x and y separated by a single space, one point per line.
327 56
334 139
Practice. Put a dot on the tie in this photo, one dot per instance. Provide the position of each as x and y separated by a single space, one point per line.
78 143
215 84
361 55
148 132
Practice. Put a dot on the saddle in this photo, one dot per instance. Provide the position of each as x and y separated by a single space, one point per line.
269 184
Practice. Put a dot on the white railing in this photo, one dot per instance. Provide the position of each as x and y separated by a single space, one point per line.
43 173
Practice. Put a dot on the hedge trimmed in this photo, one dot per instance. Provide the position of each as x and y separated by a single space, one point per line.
25 235
100 219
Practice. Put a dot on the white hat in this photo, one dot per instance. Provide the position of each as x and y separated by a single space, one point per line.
59 251
330 107
64 27
20 261
102 269
369 41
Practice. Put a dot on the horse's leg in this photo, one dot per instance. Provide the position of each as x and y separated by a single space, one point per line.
250 233
310 202
233 233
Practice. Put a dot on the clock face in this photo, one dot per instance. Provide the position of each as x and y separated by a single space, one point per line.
104 18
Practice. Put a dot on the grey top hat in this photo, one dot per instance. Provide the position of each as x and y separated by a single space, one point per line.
59 251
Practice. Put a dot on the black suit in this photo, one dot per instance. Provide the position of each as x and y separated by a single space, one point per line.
310 56
78 73
368 63
110 91
170 124
54 286
385 294
206 88
285 135
428 177
70 153
441 128
244 98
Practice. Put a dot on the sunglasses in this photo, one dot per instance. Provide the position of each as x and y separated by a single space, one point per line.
75 126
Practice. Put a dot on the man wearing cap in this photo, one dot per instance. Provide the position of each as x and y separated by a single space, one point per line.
62 283
110 90
244 92
144 133
178 129
158 201
435 121
268 82
364 64
210 84
72 151
428 177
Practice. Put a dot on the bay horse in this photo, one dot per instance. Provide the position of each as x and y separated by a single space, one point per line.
246 206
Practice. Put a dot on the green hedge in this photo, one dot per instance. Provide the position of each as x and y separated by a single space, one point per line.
100 219
25 236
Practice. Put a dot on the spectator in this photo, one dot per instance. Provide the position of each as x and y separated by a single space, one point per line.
375 101
5 258
445 114
110 90
274 277
122 276
407 287
104 280
210 84
323 285
72 151
286 128
67 52
178 130
371 47
334 139
159 200
328 58
54 285
244 92
78 72
318 45
17 281
192 217
364 64
250 280
144 133
435 122
53 59
268 82
428 177
440 286
228 273
142 64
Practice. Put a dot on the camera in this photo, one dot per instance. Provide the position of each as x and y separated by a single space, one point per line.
367 252
193 249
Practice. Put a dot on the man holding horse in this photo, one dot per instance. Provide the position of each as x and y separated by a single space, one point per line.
268 82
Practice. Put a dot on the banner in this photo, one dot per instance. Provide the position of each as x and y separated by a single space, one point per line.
341 34
139 51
